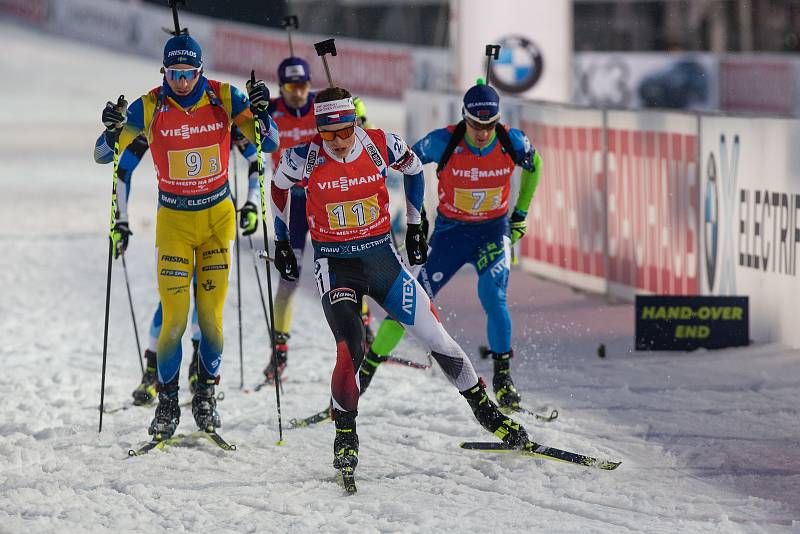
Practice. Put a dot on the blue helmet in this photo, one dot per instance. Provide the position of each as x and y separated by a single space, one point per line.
183 49
481 104
294 70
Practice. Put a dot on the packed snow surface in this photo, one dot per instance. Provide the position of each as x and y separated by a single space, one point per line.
708 440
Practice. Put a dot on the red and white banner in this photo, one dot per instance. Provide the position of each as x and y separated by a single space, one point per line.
566 234
653 203
35 11
361 68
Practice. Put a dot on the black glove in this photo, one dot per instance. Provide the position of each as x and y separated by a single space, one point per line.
119 238
286 261
416 245
519 227
114 114
425 225
258 92
248 218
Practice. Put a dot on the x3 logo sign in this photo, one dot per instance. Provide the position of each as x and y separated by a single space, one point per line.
719 230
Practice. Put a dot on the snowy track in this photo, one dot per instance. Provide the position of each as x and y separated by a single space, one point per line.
708 440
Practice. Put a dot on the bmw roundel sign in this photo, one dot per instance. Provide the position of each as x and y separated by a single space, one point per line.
519 66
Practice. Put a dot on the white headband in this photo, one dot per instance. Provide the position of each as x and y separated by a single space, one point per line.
344 104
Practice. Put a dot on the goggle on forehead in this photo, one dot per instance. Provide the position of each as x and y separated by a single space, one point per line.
187 74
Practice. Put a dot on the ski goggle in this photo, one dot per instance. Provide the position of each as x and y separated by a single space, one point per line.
291 87
344 133
481 126
177 74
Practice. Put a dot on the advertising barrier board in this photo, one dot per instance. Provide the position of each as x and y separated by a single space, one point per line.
652 200
668 322
751 218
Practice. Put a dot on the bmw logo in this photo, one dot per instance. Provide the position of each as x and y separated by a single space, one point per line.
711 220
519 66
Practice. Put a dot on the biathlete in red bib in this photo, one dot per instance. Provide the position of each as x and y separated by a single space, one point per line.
187 123
343 170
475 159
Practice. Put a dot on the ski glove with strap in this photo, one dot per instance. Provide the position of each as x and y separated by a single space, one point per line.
248 218
114 114
285 261
519 226
416 245
258 92
119 238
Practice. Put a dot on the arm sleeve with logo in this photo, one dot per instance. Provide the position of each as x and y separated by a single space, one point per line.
406 161
288 174
531 163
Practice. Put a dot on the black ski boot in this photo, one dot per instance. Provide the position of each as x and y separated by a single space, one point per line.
168 413
145 392
193 367
345 444
204 407
279 357
512 433
504 390
368 368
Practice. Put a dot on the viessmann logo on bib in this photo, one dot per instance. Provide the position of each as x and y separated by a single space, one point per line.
475 173
186 131
344 183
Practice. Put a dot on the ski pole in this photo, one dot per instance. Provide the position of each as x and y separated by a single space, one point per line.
327 46
492 52
133 314
122 106
269 275
290 23
258 279
238 270
174 5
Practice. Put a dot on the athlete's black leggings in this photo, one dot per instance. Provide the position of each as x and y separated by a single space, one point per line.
342 283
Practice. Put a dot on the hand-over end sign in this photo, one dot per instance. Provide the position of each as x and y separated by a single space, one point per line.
666 322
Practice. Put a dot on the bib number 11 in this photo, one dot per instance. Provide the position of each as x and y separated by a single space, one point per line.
353 214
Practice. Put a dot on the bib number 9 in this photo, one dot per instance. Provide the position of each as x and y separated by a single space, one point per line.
195 163
478 200
353 214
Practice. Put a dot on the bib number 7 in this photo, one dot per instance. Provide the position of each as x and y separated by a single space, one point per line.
478 200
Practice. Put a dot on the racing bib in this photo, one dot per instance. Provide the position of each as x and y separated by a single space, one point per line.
353 213
478 200
194 163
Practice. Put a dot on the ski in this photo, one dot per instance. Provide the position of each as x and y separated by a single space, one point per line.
348 479
179 439
184 404
542 452
545 415
322 416
396 360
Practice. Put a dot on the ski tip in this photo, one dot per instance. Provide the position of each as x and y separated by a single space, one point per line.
608 465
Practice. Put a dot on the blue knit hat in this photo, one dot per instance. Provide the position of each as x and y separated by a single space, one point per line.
183 49
294 70
481 104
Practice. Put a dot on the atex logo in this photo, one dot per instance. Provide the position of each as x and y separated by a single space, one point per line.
519 66
718 216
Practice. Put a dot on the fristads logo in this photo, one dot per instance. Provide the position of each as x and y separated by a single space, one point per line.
519 66
190 53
